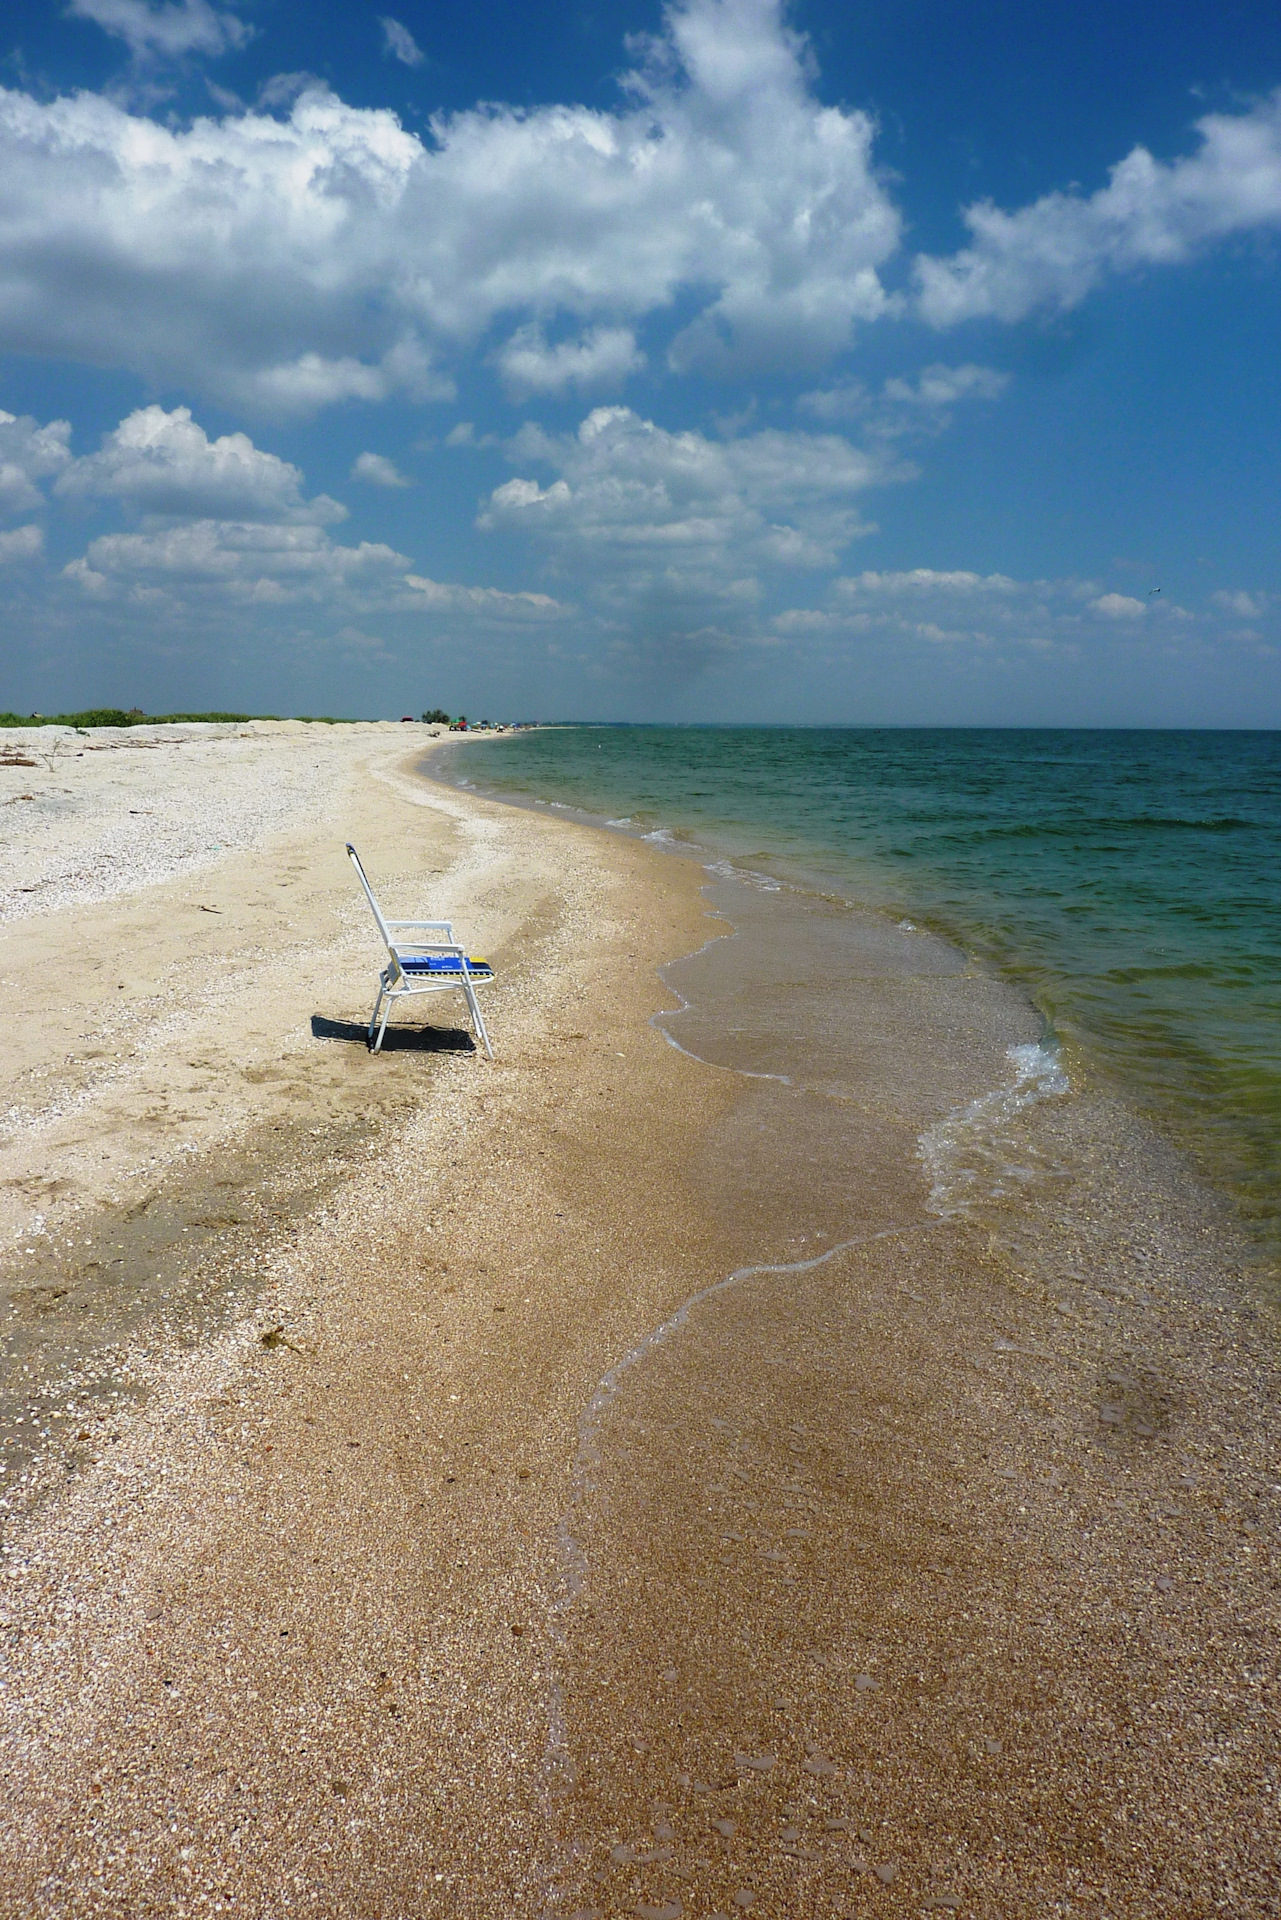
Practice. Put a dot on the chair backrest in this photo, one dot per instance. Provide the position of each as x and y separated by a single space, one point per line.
374 907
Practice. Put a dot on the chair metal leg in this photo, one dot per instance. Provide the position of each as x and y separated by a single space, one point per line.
378 1044
373 1018
477 1018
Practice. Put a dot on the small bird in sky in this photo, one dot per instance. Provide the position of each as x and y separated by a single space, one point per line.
1152 590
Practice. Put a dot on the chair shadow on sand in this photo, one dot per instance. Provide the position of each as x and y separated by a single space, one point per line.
398 1039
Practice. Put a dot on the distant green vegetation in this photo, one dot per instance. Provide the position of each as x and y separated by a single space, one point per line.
117 717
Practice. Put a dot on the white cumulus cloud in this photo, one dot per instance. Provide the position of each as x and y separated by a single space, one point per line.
1247 606
991 612
291 261
1151 213
399 42
21 543
311 381
918 581
673 542
639 491
165 463
168 30
378 470
29 452
904 405
1118 606
464 434
940 386
600 358
244 561
486 603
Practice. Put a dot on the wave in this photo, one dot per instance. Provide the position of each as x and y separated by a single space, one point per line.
726 870
975 1154
1111 824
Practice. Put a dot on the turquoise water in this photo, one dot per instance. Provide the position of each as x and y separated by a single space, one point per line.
1131 881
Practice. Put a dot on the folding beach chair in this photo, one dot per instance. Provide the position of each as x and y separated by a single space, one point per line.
433 962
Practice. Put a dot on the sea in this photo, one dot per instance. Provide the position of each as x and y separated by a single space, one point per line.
1124 885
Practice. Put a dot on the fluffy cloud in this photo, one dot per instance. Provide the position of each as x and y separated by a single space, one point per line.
220 518
905 405
309 382
464 434
399 42
848 401
674 543
164 463
242 560
378 470
1050 254
225 525
21 543
958 608
1118 606
169 31
29 452
1246 606
600 358
485 603
633 490
940 386
294 261
920 581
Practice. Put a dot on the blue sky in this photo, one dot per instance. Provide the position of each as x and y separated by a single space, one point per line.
714 361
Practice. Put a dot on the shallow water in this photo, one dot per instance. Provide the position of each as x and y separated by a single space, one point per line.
1129 882
882 1546
868 1549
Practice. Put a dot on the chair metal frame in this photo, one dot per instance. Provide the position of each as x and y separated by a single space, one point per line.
395 983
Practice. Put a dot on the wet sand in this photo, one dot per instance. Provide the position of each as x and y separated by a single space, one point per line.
534 1563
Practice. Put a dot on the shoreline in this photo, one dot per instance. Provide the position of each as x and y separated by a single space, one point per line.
1138 989
319 1646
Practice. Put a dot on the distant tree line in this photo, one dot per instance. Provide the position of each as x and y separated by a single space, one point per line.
135 717
117 717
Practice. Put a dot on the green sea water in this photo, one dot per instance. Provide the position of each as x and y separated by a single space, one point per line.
1131 881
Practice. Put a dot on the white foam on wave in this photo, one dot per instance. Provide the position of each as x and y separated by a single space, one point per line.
656 1020
976 1154
559 1773
660 837
626 821
726 870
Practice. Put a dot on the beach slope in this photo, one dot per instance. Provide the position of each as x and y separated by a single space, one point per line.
559 1486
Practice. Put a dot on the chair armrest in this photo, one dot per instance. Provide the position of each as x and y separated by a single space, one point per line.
423 926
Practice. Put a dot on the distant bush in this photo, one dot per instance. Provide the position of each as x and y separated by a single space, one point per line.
117 717
163 719
95 717
437 717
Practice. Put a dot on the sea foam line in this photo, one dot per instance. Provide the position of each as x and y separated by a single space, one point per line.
1038 1075
744 1073
558 1772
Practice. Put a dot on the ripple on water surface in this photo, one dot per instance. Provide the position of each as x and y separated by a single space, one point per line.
1130 881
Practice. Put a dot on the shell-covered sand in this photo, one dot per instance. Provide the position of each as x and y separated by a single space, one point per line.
403 1517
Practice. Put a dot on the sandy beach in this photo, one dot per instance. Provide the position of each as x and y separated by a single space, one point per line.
586 1483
